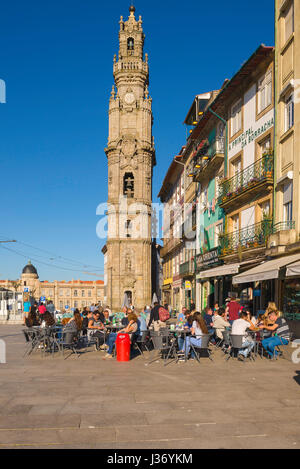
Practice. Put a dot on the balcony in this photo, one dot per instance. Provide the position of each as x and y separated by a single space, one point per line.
249 238
256 179
283 239
187 268
169 246
208 160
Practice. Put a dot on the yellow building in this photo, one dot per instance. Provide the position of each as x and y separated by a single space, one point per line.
283 244
287 137
64 295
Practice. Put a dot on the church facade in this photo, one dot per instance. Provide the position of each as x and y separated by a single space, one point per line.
131 158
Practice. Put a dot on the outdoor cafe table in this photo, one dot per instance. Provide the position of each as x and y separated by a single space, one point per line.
257 335
114 327
182 332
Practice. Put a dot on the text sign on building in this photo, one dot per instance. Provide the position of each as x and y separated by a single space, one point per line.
251 134
207 259
187 285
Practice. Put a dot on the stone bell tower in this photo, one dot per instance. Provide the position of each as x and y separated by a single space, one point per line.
131 158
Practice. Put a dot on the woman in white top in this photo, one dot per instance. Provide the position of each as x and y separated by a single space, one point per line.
198 329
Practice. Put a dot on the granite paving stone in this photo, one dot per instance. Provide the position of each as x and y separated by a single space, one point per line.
87 402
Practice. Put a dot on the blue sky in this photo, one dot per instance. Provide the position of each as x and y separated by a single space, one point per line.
56 59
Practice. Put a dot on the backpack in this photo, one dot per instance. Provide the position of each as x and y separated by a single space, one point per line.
164 314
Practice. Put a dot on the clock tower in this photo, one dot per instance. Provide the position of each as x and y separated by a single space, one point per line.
131 158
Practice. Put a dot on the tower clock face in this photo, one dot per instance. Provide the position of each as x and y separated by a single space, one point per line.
129 98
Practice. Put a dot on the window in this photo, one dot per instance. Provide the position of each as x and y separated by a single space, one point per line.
61 293
82 293
128 185
265 92
264 146
235 220
75 293
130 43
218 231
75 304
289 112
83 304
236 117
287 212
289 22
99 292
236 166
128 228
61 305
265 210
89 293
288 202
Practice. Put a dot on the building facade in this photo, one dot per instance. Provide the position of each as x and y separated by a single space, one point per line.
131 158
172 195
65 295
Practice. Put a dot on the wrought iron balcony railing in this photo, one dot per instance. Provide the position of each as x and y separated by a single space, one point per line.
256 173
205 155
251 237
170 245
284 225
187 268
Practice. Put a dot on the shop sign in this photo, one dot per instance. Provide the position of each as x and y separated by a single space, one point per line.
207 259
251 134
256 292
187 285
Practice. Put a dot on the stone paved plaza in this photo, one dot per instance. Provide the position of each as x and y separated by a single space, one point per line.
87 402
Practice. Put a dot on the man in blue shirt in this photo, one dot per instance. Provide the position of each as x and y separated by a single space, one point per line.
208 318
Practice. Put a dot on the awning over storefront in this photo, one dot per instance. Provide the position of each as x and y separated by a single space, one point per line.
219 271
293 269
266 271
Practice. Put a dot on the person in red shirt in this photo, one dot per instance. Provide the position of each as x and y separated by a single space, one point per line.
42 308
233 310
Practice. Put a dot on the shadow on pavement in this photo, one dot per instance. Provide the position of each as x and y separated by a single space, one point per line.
297 378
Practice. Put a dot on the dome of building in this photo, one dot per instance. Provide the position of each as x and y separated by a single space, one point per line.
29 269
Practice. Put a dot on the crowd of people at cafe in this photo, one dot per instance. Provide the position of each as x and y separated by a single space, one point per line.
92 322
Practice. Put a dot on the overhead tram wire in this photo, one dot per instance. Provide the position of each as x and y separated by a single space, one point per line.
69 260
49 265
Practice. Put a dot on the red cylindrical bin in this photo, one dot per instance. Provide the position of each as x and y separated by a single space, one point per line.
123 347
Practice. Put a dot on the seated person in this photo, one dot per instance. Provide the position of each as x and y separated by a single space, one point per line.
181 318
85 321
96 329
47 320
208 318
189 317
73 326
239 327
108 316
131 329
220 323
32 319
280 331
198 329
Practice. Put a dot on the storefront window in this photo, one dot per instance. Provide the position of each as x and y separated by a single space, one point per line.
291 299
